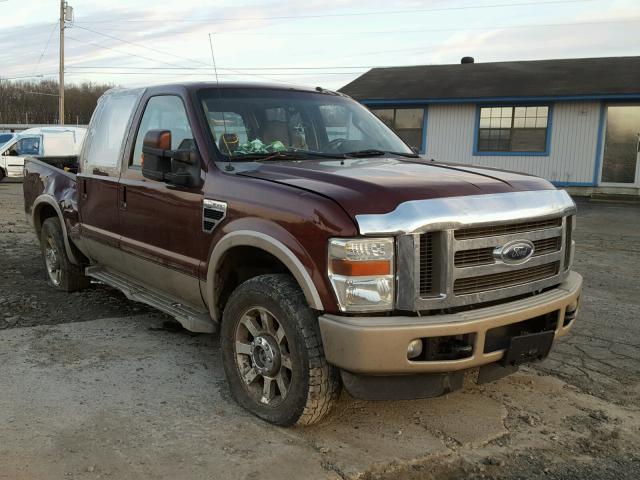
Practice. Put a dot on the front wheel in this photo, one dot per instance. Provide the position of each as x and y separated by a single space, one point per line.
272 353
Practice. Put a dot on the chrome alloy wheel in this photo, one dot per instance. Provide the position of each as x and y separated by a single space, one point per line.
52 261
262 356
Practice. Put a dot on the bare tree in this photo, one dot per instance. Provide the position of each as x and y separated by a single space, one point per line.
37 102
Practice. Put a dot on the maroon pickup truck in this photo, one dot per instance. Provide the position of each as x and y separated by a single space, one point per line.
318 245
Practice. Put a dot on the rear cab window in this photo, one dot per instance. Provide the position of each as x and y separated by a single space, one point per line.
108 130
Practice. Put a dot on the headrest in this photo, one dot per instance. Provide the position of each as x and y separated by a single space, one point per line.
229 142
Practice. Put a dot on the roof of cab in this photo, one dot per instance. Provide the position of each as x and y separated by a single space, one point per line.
52 129
192 86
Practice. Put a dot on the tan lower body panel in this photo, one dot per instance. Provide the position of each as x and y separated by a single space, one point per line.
184 288
378 345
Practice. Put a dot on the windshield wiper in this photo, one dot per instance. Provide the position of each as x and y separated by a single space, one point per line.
372 152
286 155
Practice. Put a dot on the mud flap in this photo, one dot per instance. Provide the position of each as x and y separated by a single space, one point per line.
401 387
494 371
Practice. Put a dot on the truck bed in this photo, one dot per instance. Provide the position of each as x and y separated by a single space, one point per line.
49 183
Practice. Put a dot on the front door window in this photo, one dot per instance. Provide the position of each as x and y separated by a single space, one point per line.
622 142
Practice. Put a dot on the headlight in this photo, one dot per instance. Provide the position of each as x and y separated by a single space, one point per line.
362 273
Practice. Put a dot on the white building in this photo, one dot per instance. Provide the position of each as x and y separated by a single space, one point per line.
574 122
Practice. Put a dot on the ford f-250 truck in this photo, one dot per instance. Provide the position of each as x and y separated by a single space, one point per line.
314 241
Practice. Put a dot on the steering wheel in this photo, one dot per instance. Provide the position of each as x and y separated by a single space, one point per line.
336 143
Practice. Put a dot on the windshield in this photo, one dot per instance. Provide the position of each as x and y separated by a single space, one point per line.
5 137
259 123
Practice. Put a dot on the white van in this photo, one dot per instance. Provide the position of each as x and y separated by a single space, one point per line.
39 142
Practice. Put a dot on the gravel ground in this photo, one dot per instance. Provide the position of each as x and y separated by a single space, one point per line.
96 386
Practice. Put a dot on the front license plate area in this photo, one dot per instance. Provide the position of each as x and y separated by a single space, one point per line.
528 348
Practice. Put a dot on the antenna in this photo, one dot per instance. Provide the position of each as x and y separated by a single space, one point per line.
228 167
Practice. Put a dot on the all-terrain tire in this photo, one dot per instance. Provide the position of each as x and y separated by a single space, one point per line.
314 383
68 277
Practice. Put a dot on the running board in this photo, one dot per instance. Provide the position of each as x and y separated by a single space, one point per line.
190 318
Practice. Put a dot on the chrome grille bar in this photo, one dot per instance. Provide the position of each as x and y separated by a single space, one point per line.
495 230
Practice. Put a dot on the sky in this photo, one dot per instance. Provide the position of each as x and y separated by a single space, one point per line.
324 43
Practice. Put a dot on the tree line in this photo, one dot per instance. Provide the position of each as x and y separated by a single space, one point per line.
31 102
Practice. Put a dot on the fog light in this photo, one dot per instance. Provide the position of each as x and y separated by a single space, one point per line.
414 349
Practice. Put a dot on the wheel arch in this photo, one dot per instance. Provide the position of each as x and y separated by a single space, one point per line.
45 207
272 247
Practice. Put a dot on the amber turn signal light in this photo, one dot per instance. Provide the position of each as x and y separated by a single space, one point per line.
350 268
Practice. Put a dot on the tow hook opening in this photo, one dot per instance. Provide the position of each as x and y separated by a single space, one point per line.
453 347
570 313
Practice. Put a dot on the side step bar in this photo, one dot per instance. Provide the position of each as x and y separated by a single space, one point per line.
191 319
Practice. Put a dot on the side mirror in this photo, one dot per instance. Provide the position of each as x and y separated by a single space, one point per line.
160 163
155 162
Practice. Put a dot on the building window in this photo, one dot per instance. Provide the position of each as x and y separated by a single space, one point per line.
521 129
406 122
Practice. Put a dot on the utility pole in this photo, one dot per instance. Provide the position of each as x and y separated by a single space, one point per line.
66 15
61 79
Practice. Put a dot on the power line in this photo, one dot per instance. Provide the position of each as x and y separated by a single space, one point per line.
348 14
208 66
158 51
238 68
112 37
40 75
122 52
425 30
46 45
208 74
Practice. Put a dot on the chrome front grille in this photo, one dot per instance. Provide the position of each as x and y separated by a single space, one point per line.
482 283
457 267
494 230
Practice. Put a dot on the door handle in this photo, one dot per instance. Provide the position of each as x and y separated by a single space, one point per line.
123 197
83 187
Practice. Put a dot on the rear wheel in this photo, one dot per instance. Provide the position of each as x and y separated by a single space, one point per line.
272 353
61 273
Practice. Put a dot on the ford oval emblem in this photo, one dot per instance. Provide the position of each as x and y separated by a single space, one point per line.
514 252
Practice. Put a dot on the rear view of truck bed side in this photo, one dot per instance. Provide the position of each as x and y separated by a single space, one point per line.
50 192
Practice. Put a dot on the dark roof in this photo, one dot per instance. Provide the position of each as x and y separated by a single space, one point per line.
195 85
544 78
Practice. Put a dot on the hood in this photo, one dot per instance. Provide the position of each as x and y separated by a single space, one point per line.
379 185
